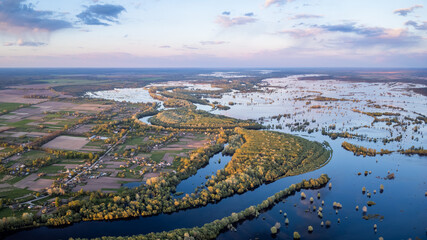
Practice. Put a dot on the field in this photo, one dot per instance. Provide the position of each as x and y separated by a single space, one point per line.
67 143
8 107
34 183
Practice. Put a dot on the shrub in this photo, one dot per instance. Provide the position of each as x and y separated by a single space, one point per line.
303 196
273 230
337 205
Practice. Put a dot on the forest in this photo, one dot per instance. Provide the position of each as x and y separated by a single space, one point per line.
190 118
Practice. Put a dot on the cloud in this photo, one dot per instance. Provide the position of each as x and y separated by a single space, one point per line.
21 42
190 47
388 41
357 36
212 42
17 17
249 14
372 36
226 21
165 46
7 44
268 3
101 14
226 13
305 16
302 33
352 28
405 11
421 27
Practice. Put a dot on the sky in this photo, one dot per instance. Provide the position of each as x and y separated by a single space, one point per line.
213 33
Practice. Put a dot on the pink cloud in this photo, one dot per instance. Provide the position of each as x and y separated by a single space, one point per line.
405 11
302 33
226 21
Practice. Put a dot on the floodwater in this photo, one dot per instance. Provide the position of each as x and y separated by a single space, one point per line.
401 209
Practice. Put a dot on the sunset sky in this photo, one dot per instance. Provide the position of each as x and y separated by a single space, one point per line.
213 33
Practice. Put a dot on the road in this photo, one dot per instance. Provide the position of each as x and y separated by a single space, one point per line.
99 159
31 201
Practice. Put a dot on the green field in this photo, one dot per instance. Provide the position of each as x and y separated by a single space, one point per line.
51 169
22 125
7 212
9 107
158 155
14 180
13 193
33 154
135 140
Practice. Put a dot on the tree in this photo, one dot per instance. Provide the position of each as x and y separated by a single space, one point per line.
57 202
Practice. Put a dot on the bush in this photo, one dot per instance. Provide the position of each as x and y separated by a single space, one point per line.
296 235
273 230
303 196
